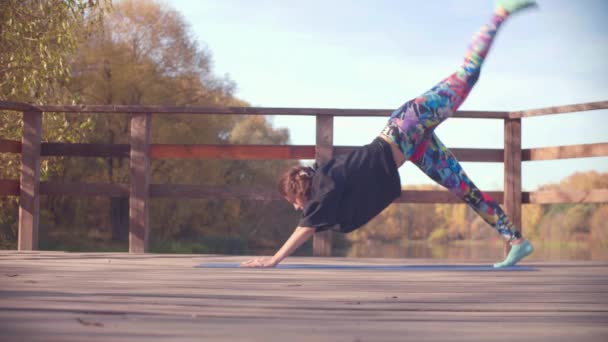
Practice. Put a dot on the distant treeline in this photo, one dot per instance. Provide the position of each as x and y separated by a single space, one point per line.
444 223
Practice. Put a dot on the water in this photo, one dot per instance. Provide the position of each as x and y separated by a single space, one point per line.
475 250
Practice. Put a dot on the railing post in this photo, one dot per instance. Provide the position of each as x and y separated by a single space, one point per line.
139 199
321 244
512 165
29 198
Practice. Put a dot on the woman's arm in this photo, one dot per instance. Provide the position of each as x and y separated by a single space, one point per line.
297 238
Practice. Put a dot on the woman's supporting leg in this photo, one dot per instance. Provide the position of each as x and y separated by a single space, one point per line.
439 163
413 122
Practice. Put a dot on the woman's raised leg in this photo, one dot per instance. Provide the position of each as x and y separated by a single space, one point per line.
413 123
440 164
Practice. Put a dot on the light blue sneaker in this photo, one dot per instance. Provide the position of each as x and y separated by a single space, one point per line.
512 6
516 253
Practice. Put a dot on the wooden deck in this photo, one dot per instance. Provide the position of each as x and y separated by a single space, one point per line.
53 296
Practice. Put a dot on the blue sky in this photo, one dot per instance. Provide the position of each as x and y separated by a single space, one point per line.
379 54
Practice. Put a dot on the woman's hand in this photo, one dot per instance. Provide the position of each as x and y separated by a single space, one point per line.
297 238
265 262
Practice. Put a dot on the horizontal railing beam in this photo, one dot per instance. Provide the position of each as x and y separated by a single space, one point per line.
17 106
10 146
85 150
438 196
131 109
581 107
204 191
559 196
11 188
239 152
564 152
84 189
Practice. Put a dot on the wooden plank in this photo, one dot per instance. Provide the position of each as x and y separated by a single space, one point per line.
84 189
559 196
323 153
297 111
256 193
479 154
563 152
438 196
18 106
9 187
29 194
155 297
10 146
559 109
253 111
85 150
462 154
265 194
241 152
512 173
177 191
251 152
139 199
224 192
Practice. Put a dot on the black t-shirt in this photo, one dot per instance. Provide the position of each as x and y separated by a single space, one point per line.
351 189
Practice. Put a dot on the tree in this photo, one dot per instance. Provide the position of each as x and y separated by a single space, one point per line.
37 40
146 55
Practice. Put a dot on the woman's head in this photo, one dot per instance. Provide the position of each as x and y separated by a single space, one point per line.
295 185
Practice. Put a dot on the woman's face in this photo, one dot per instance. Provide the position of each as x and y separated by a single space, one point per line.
297 202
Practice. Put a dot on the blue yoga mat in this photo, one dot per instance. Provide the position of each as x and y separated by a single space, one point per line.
475 268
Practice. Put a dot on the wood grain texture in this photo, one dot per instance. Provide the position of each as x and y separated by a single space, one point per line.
211 192
512 175
18 106
559 109
29 183
563 152
100 109
84 189
184 191
86 150
10 146
55 296
235 152
240 152
439 196
462 154
9 187
559 196
139 198
323 152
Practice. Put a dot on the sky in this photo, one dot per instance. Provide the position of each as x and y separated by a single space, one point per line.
381 53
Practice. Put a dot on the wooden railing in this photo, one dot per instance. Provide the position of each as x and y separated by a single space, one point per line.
140 151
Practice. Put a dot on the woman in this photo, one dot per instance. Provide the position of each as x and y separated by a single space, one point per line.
349 190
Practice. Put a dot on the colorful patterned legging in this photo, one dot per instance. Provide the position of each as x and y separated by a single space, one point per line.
411 128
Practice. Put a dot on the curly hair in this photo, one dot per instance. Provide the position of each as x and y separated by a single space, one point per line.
296 182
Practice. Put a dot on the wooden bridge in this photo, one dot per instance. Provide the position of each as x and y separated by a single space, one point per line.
140 151
55 296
